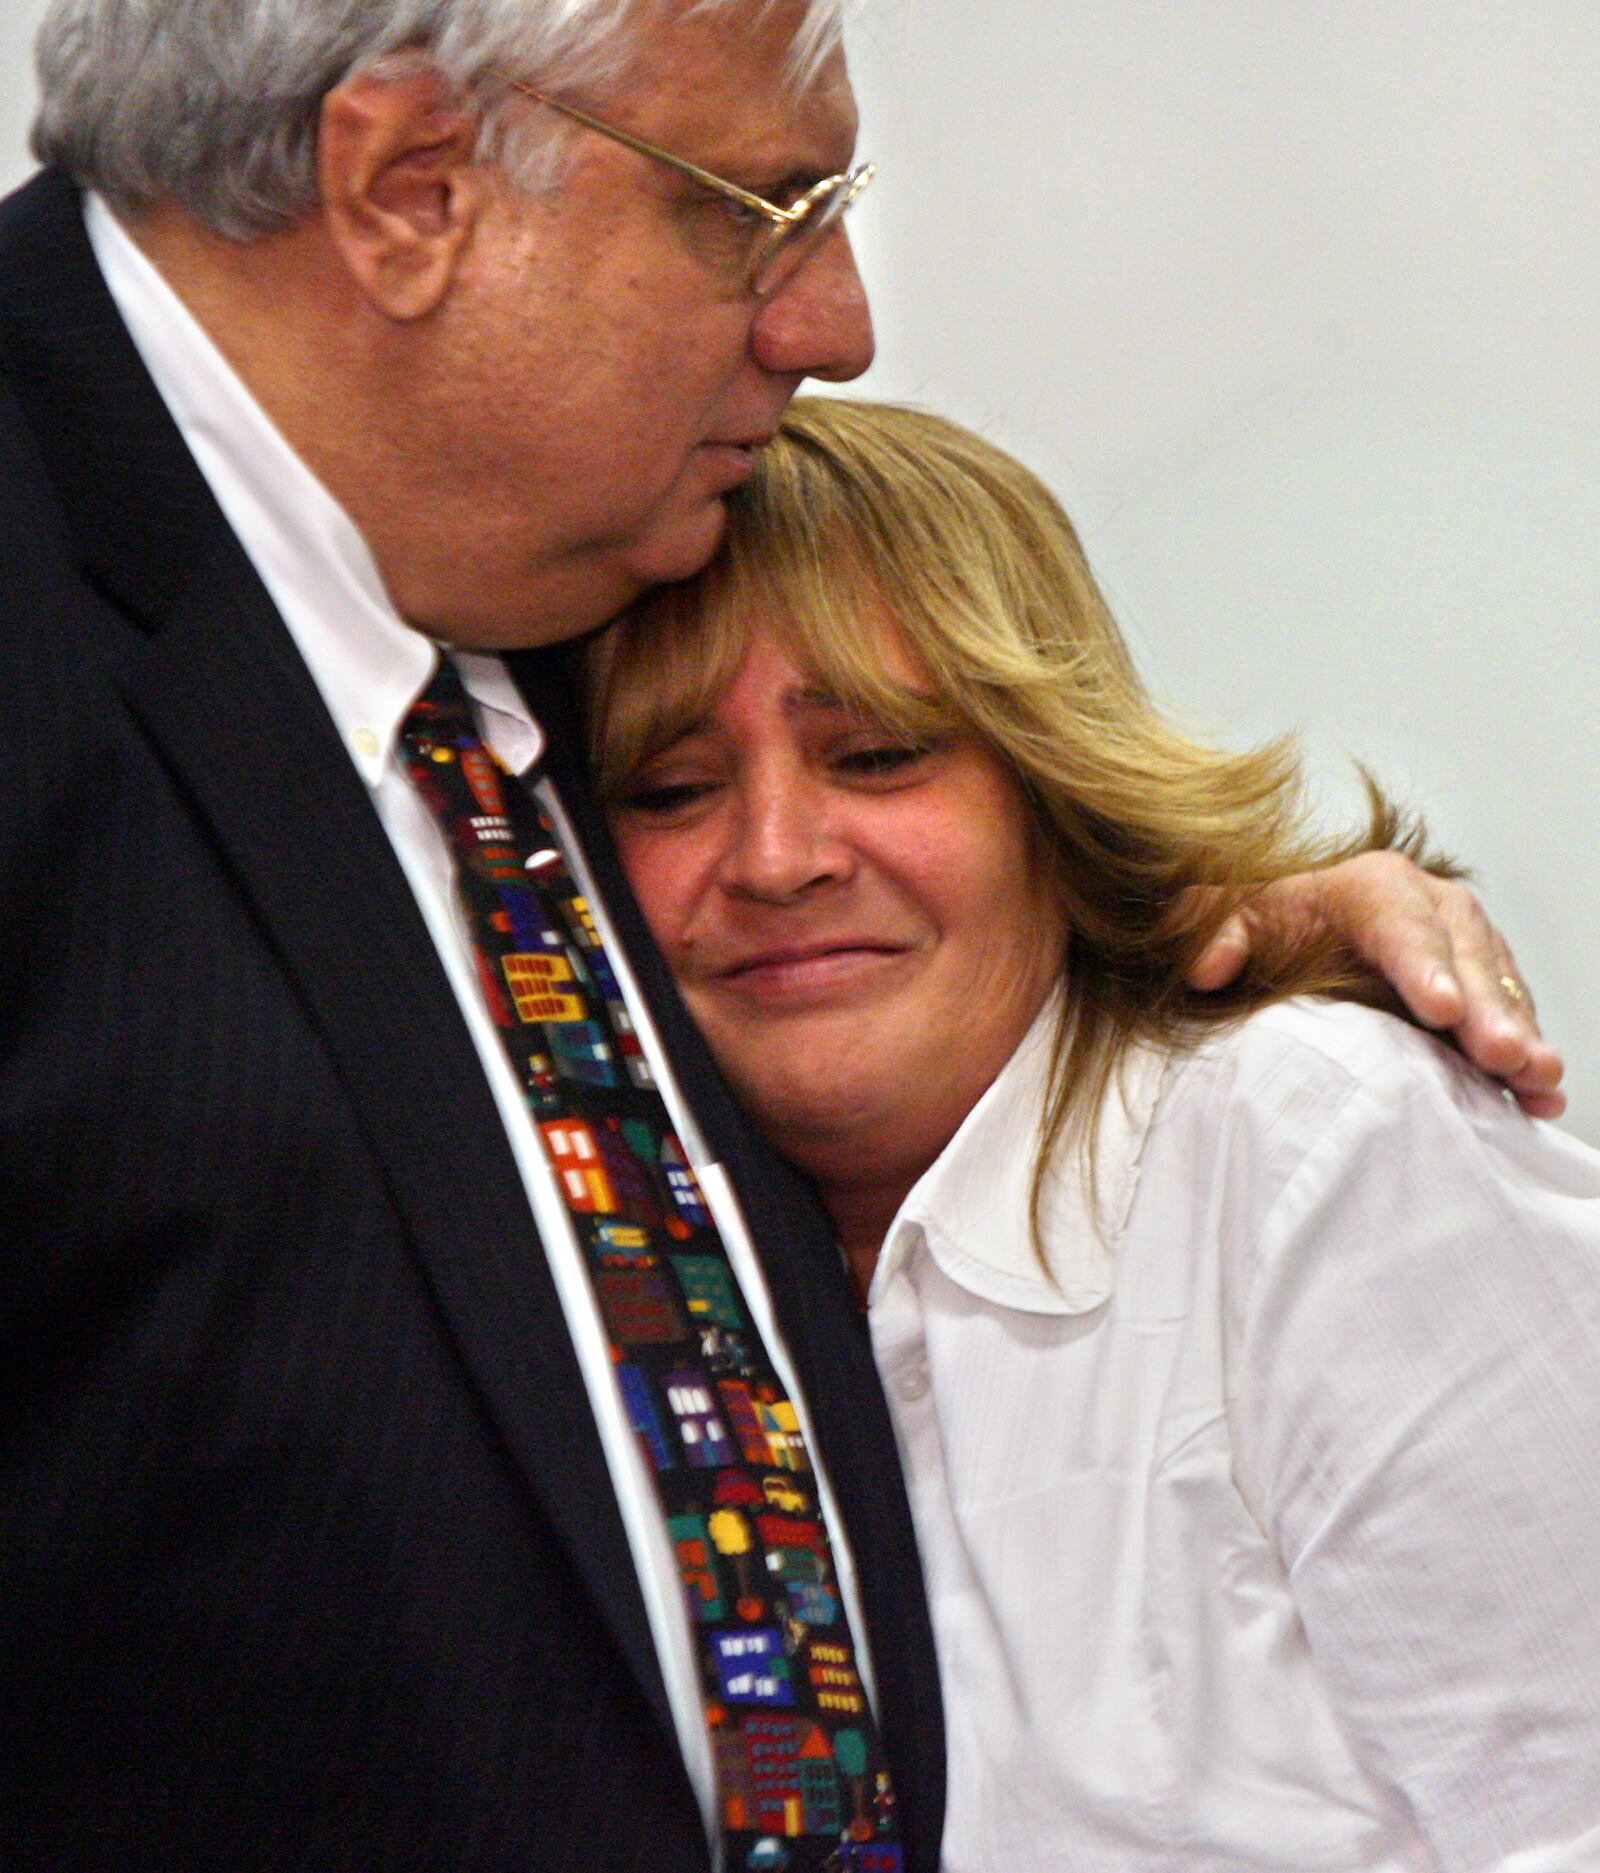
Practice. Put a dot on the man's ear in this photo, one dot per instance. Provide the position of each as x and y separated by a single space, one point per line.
401 187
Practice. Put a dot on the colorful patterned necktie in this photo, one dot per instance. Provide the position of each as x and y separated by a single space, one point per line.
801 1780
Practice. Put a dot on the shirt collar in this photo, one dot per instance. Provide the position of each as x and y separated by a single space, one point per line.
970 1208
368 663
502 714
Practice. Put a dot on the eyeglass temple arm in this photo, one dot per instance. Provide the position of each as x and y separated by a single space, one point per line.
780 217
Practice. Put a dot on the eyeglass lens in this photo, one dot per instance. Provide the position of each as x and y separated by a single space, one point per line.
785 249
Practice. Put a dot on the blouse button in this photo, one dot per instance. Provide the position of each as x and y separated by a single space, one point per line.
914 1383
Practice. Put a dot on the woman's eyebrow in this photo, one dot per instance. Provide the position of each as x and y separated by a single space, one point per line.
818 698
657 745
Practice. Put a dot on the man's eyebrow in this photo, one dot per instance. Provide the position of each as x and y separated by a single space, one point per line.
798 180
781 190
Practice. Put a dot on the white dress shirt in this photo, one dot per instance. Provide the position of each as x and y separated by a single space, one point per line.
1266 1533
370 666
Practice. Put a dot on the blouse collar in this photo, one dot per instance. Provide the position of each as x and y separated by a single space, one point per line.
970 1208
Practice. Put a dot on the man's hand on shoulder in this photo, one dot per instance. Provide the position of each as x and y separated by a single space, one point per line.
1431 940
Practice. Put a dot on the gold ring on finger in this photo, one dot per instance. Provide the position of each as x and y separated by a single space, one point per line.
1515 992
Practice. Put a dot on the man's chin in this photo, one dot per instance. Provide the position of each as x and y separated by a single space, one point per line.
576 595
678 550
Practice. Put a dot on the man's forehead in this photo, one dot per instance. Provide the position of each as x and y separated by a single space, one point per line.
730 82
803 34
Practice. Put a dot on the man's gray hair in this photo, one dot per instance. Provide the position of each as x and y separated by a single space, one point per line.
215 104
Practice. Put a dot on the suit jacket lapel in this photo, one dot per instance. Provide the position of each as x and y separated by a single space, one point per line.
219 688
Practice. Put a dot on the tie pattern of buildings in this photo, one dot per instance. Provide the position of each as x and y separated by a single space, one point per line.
801 1778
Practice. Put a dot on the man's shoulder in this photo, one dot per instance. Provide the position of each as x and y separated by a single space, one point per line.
41 218
44 197
45 258
61 641
32 535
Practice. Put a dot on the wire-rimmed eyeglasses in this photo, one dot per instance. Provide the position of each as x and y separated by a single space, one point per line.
792 233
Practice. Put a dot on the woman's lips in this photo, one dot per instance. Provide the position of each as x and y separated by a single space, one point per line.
815 973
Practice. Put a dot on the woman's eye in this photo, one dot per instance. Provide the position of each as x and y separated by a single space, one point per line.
662 798
881 760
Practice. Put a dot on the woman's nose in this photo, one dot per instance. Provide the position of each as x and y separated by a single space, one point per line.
785 844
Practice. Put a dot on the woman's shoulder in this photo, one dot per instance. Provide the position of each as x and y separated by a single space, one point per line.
1296 1063
1310 1094
1313 1041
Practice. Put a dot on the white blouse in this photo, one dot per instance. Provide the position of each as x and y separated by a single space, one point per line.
1266 1535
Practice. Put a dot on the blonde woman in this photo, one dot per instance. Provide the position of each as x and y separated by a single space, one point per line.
1243 1356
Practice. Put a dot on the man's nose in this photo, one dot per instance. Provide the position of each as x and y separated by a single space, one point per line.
784 845
818 323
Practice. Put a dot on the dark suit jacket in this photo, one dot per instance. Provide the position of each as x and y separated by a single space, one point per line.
309 1559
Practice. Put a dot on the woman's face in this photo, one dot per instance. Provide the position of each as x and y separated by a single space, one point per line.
856 922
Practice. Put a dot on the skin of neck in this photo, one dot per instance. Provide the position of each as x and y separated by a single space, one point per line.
863 1177
864 1165
861 1217
342 384
312 355
372 402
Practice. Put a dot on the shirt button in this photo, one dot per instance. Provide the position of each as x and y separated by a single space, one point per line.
366 743
914 1383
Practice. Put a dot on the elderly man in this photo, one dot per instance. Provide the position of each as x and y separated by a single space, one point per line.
387 1345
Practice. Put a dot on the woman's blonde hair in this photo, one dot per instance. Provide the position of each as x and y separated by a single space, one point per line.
859 509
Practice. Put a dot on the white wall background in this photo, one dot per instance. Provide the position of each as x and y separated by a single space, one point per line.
18 18
1297 304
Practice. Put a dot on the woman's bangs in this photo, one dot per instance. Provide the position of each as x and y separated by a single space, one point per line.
831 615
652 677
